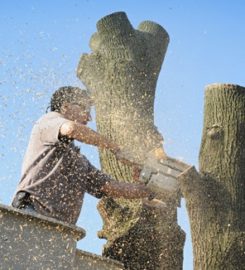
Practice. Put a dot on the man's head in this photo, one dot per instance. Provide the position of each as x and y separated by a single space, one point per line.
73 103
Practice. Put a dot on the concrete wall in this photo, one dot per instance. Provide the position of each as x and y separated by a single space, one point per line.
87 261
33 241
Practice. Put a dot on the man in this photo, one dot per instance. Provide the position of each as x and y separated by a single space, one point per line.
55 175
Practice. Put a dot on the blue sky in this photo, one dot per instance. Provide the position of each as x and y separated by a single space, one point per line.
41 42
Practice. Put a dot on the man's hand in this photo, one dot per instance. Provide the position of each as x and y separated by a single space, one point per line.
126 157
158 153
116 189
155 203
136 173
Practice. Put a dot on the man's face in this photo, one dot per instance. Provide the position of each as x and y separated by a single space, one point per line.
78 113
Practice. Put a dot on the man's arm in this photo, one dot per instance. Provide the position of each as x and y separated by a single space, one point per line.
86 135
126 190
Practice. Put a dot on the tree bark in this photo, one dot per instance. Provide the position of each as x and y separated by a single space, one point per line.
121 73
216 197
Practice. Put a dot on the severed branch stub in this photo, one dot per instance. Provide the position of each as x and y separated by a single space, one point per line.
121 72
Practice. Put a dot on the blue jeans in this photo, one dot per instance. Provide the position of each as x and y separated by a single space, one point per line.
22 201
29 208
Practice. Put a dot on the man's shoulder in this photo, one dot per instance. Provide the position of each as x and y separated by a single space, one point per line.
50 115
49 123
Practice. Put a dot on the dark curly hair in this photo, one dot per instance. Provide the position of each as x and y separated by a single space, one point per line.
69 94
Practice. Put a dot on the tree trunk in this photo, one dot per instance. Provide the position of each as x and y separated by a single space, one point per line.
216 197
121 73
